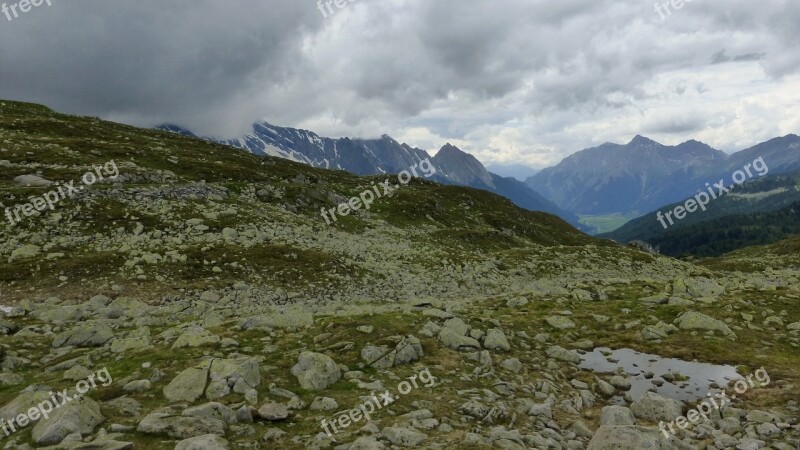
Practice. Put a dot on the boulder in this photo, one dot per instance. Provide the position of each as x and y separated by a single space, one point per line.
366 443
189 385
692 320
323 404
408 350
315 371
179 427
32 181
655 408
629 437
212 410
26 251
273 412
195 337
616 415
290 320
81 415
496 340
563 354
88 334
22 403
204 442
457 326
455 341
378 357
404 437
559 322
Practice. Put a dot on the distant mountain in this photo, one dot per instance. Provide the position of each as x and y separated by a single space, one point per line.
463 168
781 154
762 211
637 177
384 156
643 175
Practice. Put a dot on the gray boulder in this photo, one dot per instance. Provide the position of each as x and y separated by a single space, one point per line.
179 427
629 437
559 322
496 340
22 403
204 442
616 415
404 437
273 412
455 341
563 354
195 337
82 416
315 371
189 385
93 334
692 320
366 443
32 181
212 410
7 328
655 408
408 350
378 357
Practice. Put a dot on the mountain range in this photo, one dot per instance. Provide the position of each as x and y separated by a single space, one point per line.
384 156
631 180
643 175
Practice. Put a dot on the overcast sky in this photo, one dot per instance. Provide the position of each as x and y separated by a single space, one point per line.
511 81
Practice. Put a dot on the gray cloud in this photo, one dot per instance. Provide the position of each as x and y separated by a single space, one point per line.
512 81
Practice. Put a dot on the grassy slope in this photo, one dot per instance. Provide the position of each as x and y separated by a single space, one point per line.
726 225
457 221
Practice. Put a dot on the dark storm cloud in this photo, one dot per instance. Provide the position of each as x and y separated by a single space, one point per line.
511 80
151 60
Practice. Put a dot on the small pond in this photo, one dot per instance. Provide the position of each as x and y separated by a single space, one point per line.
695 381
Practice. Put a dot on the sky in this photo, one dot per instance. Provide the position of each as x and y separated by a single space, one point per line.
514 82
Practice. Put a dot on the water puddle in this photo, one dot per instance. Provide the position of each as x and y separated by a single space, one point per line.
692 380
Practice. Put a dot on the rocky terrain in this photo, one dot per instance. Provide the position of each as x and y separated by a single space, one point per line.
230 315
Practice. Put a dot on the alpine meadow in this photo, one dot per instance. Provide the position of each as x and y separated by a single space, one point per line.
405 224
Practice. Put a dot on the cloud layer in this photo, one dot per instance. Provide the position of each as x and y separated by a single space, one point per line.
512 81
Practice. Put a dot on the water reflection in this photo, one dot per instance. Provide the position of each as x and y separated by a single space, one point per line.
701 376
